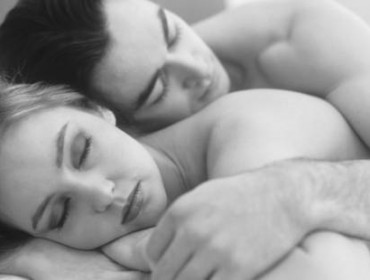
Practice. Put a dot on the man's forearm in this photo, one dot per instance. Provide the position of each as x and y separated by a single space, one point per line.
333 196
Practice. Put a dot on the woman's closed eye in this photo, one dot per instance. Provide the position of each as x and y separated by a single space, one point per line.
65 213
80 151
60 214
81 148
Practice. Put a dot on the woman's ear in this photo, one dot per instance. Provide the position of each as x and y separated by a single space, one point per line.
107 115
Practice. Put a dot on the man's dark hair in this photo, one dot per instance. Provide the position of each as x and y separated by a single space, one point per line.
53 41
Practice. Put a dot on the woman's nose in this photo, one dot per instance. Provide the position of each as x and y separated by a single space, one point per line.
99 194
190 71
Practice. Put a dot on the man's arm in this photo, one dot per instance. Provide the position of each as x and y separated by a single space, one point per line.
312 46
266 212
339 193
237 227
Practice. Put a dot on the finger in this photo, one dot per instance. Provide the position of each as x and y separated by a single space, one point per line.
222 276
159 240
11 277
199 267
233 273
126 275
173 260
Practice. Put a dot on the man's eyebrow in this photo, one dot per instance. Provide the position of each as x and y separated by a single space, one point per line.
144 95
40 211
60 145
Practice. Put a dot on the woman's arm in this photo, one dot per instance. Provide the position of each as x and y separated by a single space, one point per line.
130 250
11 277
44 260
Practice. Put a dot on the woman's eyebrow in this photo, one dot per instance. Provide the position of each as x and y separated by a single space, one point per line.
164 24
60 145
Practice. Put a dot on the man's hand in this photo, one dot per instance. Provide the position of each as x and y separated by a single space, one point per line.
45 260
232 228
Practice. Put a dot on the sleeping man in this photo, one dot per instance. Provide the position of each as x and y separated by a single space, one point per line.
152 70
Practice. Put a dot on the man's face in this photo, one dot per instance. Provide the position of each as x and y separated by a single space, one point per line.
156 68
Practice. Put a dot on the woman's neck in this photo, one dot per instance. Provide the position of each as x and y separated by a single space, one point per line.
173 176
180 152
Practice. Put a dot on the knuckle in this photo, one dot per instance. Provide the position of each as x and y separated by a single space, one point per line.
187 274
217 245
195 228
189 231
153 251
240 262
228 253
176 212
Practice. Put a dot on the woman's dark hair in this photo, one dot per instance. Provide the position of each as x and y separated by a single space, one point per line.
18 102
10 241
53 41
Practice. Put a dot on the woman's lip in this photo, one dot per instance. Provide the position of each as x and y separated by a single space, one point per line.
211 85
133 206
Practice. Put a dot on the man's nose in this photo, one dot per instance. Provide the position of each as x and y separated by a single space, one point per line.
191 71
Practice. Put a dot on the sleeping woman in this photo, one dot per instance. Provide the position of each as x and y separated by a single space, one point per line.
69 175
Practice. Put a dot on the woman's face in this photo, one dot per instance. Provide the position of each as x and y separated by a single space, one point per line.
70 176
156 68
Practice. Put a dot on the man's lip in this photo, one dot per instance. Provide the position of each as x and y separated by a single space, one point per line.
133 205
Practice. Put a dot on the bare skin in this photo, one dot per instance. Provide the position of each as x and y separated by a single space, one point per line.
339 95
248 138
